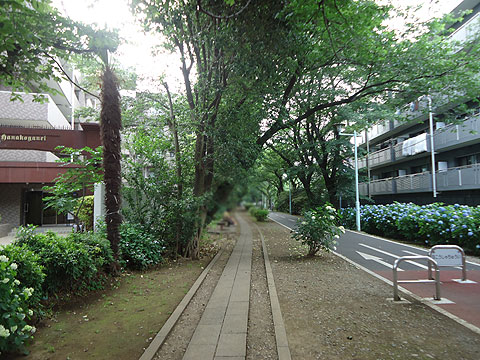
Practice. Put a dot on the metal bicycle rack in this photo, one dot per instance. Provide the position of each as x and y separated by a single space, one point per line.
419 257
447 255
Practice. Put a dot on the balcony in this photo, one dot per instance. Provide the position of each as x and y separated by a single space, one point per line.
409 147
445 139
459 178
453 135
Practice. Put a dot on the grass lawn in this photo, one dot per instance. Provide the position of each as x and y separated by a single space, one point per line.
117 323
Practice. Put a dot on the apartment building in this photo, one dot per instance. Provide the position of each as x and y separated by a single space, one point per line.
29 133
406 163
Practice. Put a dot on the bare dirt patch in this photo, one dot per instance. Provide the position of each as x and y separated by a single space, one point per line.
261 333
332 310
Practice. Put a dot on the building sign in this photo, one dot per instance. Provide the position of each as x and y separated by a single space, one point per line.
27 138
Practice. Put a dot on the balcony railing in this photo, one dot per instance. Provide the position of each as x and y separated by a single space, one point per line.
444 138
453 135
458 178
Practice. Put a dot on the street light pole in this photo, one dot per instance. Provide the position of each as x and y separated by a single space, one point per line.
357 196
290 196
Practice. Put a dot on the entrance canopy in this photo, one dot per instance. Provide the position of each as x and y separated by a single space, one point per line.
18 138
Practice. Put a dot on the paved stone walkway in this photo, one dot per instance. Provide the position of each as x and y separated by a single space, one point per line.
222 331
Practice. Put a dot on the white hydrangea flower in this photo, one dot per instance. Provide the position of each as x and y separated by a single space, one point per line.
332 217
28 328
28 291
342 229
6 280
337 237
4 332
3 258
13 266
17 282
30 312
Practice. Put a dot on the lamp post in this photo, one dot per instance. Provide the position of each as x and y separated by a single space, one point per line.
285 176
432 150
357 197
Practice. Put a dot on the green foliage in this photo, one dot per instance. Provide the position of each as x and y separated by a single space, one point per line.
29 273
300 201
318 229
81 176
34 35
70 265
248 205
151 191
258 214
14 311
138 248
431 224
84 209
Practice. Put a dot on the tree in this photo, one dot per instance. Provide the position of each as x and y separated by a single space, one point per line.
110 125
36 40
256 64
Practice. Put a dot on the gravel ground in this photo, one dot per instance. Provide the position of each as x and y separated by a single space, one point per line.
261 333
332 310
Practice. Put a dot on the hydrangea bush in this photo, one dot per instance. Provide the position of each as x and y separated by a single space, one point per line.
14 311
318 229
430 224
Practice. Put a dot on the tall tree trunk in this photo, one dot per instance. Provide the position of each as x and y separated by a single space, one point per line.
172 124
111 123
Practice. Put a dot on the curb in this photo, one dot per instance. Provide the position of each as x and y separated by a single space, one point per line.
157 342
283 350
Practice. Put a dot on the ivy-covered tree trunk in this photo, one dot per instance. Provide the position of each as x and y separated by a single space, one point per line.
111 123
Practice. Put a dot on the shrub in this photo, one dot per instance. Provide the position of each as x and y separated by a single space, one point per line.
248 206
138 248
318 229
29 273
258 214
86 211
427 224
69 264
14 330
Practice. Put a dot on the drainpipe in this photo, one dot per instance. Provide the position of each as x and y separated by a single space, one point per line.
72 100
432 149
368 163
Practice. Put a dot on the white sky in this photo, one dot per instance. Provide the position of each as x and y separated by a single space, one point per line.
137 52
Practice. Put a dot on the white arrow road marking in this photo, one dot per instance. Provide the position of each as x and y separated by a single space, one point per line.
376 259
410 252
394 256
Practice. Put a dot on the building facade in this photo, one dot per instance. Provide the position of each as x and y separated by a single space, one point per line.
30 131
406 163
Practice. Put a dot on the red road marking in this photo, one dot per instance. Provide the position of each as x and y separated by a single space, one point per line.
466 297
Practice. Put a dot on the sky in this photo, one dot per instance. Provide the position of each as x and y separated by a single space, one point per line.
136 52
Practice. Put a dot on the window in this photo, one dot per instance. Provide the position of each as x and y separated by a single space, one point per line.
468 160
